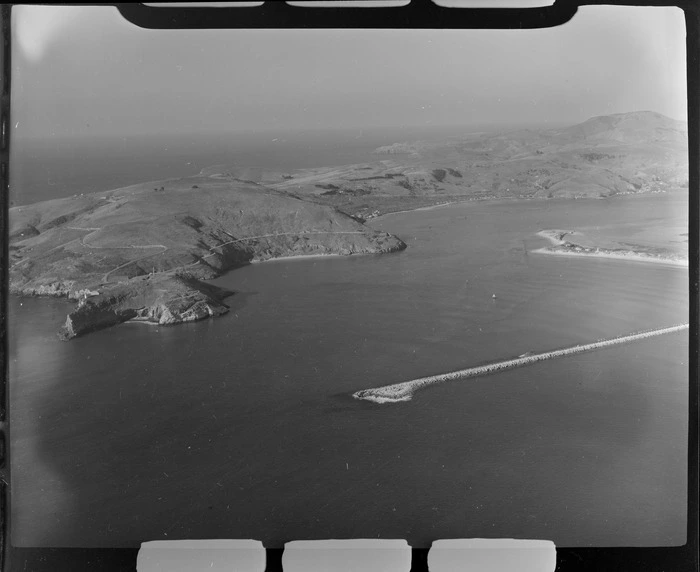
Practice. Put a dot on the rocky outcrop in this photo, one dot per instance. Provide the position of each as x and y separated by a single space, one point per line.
93 317
161 299
381 243
142 252
404 391
57 289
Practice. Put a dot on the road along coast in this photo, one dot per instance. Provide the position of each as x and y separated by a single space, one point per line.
404 391
144 252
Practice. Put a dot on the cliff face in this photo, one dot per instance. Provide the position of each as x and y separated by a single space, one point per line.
93 316
141 252
162 299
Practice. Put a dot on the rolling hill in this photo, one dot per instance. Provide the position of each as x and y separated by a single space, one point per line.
141 252
601 157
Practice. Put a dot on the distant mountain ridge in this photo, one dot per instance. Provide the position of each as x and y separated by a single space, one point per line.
633 127
622 153
141 252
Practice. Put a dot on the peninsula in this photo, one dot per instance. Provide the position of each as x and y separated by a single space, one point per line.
606 156
143 252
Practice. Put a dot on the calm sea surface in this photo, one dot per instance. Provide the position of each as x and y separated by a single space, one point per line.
243 426
48 169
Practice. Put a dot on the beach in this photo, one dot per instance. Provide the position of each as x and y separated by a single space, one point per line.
562 247
293 257
628 256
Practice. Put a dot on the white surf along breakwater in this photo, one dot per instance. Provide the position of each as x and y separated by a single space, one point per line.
404 391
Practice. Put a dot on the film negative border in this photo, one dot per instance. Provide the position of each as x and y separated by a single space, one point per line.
5 71
417 14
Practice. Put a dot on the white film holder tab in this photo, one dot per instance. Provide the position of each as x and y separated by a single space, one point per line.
201 555
492 555
355 555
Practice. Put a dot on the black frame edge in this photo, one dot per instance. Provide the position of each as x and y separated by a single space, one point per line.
420 15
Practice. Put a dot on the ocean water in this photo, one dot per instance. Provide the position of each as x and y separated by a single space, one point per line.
243 426
48 169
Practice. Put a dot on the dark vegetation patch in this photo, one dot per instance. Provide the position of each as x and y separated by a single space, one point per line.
536 172
593 157
351 192
61 220
24 232
439 175
379 177
454 173
190 221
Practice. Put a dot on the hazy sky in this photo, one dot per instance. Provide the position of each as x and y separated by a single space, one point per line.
85 70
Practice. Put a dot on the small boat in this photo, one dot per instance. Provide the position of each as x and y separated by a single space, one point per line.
493 296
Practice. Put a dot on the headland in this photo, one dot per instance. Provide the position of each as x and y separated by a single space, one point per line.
145 251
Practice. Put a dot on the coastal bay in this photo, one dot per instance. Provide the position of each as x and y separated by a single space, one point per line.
142 252
298 283
302 335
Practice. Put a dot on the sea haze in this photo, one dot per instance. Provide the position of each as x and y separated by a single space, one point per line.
244 426
44 169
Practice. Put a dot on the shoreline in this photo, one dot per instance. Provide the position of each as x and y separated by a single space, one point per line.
494 200
631 257
564 248
293 257
428 208
314 256
555 236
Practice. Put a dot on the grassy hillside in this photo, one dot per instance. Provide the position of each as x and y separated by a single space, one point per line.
604 156
140 252
98 248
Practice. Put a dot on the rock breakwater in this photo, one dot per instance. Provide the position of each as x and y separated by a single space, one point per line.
404 391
